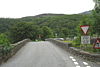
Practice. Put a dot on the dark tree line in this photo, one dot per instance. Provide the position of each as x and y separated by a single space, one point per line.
25 30
34 27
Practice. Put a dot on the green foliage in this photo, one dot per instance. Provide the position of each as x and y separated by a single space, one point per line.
5 46
25 30
47 32
96 15
6 23
64 33
4 40
22 31
86 20
53 21
77 41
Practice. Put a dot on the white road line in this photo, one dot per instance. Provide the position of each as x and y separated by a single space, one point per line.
73 59
85 63
77 66
88 66
76 63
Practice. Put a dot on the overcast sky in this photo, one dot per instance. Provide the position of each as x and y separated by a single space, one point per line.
22 8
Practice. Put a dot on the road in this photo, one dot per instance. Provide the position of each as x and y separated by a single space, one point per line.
45 54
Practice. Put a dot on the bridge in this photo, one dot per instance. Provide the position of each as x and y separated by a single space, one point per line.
45 54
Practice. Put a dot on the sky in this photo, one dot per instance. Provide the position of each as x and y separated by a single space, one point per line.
22 8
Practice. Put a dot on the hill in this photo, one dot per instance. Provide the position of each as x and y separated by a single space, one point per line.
55 21
86 12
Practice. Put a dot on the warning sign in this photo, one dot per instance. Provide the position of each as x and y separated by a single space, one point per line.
85 39
97 44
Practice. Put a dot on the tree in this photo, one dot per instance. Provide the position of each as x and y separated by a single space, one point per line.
65 32
4 41
37 32
47 32
96 15
22 31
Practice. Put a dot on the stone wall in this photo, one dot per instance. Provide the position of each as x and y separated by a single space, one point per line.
77 52
15 48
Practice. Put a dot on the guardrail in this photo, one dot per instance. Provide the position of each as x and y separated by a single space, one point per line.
75 51
13 51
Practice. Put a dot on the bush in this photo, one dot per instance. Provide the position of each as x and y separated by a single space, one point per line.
4 40
4 45
77 41
25 30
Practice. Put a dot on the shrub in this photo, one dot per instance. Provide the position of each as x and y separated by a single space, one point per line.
4 44
4 40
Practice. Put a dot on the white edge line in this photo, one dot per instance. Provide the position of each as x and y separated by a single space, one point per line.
73 59
85 63
88 66
77 66
76 63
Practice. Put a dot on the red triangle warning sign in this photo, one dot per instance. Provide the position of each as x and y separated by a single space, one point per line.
97 44
85 28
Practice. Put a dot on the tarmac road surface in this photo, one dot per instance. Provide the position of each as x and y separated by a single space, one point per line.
45 54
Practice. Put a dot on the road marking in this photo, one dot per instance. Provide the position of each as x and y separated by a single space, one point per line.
77 66
73 59
88 66
76 63
85 63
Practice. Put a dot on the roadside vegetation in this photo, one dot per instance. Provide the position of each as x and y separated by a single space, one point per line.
94 31
44 26
40 27
5 46
85 47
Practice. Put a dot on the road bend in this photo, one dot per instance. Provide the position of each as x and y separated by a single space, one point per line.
45 54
